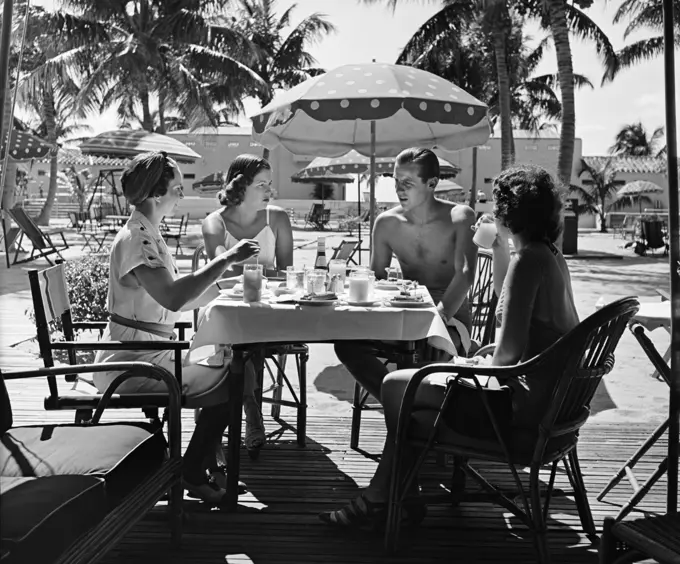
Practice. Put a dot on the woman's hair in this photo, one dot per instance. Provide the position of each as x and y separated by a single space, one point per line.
240 175
148 175
527 199
425 159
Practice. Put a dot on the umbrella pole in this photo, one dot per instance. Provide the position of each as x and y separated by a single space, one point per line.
359 212
674 228
372 182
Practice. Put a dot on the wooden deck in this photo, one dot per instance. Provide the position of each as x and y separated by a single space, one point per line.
276 522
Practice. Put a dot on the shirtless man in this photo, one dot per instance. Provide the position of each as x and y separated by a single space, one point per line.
432 240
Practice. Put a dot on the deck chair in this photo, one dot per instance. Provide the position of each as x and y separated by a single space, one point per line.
626 471
42 245
313 215
577 362
90 483
275 357
346 250
653 237
482 299
93 238
641 539
51 306
175 228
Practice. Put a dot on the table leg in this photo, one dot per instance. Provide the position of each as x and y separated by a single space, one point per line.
236 377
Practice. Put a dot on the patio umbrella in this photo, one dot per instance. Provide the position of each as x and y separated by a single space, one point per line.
128 143
376 109
307 178
637 188
23 147
355 163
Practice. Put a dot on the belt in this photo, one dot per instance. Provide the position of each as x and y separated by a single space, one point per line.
164 330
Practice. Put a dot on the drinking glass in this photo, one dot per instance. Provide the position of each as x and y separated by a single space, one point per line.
338 267
316 282
485 235
295 278
394 274
252 283
360 286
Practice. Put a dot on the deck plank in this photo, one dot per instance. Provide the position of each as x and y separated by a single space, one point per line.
277 520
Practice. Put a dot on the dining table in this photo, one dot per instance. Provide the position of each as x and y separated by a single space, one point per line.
285 318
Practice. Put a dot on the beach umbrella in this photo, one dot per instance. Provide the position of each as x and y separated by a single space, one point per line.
128 143
24 146
638 188
305 177
355 163
376 109
674 229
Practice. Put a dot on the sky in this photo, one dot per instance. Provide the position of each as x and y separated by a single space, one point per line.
367 32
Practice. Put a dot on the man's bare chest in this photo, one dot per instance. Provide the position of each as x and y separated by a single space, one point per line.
433 243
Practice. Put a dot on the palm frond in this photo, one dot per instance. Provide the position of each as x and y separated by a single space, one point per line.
553 81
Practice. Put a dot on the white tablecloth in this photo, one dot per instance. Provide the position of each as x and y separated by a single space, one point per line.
229 321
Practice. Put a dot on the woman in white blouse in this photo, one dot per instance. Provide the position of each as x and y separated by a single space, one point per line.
146 298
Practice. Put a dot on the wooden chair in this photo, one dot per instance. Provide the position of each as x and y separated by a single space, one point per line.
577 362
175 228
93 238
655 537
346 250
52 307
482 299
100 479
42 245
276 356
626 471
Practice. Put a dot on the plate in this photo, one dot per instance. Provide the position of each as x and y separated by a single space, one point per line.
238 295
382 285
317 302
410 305
370 303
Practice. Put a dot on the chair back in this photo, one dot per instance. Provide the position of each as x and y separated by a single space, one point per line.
346 249
49 293
28 226
581 359
652 232
6 420
315 211
199 258
483 299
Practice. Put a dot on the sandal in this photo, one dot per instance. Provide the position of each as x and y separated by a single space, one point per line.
364 515
208 491
219 476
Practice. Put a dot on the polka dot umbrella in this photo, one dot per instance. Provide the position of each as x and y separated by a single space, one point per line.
24 146
376 109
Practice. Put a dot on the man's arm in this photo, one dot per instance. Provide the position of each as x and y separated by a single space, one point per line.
464 260
381 252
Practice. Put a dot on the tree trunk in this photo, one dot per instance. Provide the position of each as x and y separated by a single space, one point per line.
473 188
51 126
161 112
560 33
503 77
147 120
11 172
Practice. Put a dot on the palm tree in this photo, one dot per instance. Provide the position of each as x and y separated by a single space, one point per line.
634 140
596 196
642 14
282 61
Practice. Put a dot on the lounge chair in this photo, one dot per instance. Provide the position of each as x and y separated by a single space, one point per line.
346 250
41 240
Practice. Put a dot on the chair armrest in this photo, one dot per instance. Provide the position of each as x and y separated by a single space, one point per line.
121 346
183 325
131 369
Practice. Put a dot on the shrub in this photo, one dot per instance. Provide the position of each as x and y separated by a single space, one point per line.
87 280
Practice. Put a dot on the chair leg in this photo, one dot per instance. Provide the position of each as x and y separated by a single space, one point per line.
357 406
278 388
575 476
539 523
607 548
302 406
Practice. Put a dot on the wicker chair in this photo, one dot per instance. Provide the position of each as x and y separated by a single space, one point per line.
577 363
